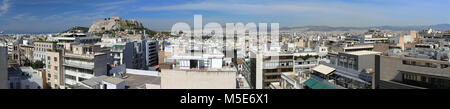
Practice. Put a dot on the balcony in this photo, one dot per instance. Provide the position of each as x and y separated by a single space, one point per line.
78 65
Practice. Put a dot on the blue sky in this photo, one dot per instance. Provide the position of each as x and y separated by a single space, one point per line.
58 15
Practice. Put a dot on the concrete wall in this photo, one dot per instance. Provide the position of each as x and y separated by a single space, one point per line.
259 72
113 86
180 79
3 67
366 62
100 64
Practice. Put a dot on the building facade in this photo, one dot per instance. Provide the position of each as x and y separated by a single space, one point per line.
27 53
152 50
413 73
84 62
41 48
54 69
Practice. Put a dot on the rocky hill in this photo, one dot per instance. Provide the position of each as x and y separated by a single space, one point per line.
114 24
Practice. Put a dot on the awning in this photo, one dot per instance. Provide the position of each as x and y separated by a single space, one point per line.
324 69
314 84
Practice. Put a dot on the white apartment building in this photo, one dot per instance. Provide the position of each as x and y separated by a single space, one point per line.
84 62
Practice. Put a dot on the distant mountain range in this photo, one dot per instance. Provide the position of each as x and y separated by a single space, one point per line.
441 27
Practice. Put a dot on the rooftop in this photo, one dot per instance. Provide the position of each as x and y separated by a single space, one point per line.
324 69
363 53
135 81
114 80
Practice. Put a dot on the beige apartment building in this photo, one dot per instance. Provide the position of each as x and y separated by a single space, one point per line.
27 52
54 69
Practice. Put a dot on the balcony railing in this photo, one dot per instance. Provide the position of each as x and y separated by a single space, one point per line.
326 82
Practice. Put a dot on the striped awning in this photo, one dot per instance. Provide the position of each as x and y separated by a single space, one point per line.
314 84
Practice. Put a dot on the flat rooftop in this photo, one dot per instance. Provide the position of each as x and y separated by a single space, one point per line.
363 53
136 81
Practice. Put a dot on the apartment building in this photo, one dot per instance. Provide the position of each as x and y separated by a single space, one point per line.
84 62
66 40
152 50
134 55
41 48
54 69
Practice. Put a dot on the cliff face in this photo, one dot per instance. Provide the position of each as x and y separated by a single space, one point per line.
113 24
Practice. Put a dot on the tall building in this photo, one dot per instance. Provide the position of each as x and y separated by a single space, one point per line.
84 62
117 53
3 67
152 50
54 69
41 48
134 55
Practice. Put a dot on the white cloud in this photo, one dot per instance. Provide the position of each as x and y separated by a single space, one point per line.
4 7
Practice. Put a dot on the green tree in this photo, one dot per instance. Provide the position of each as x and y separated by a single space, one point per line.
27 62
38 64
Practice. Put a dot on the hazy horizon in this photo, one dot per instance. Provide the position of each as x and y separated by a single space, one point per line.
37 16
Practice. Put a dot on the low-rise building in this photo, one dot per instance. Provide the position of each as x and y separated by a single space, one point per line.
24 78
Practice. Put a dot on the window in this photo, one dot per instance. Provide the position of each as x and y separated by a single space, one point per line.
48 58
56 59
81 79
71 77
405 62
56 67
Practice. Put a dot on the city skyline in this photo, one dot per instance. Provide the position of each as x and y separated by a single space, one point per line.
18 16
